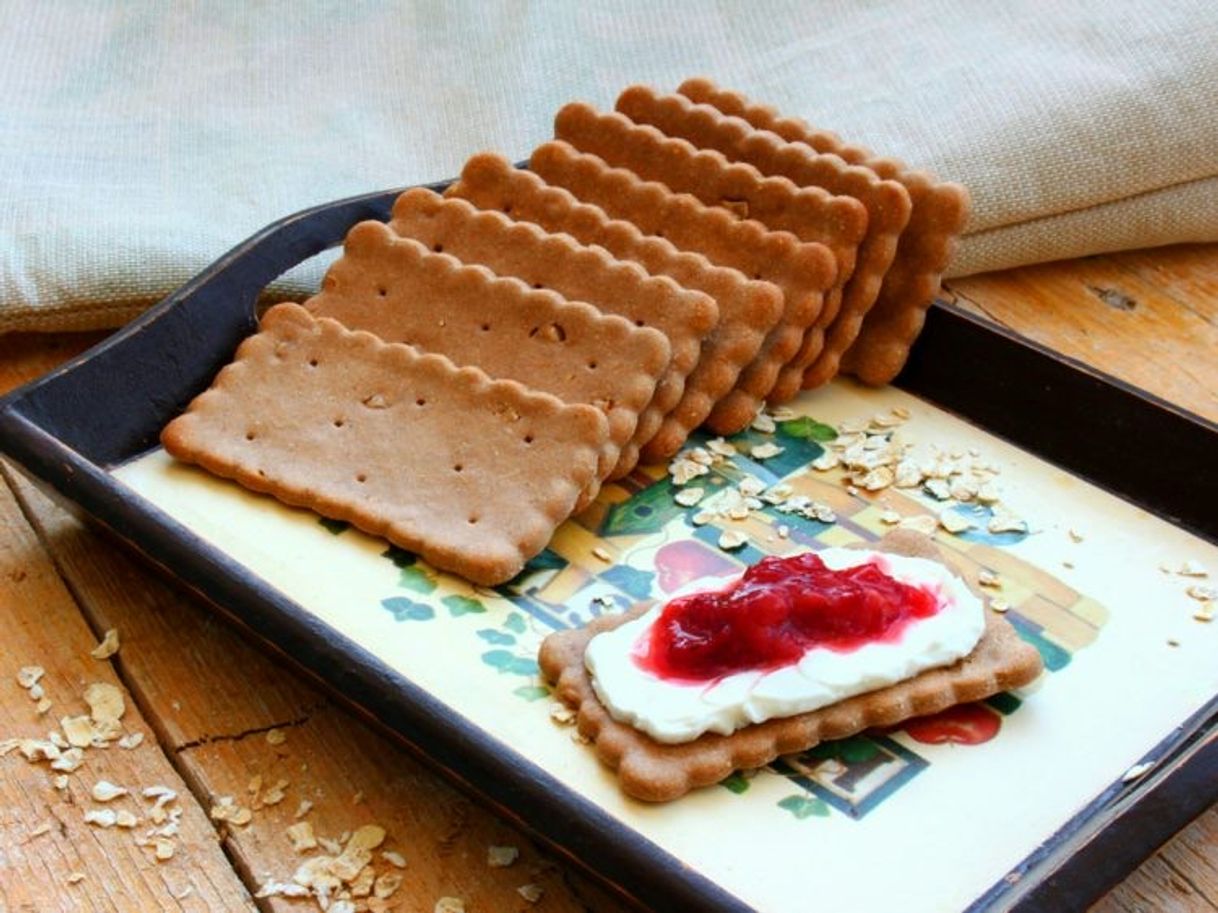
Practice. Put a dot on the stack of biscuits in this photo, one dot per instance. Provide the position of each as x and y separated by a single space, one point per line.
473 370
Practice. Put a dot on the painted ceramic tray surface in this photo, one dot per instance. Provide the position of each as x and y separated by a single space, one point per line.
985 804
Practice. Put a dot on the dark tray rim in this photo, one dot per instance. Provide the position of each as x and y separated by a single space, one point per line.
1053 406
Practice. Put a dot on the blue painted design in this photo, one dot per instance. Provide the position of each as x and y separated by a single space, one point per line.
630 580
862 756
404 609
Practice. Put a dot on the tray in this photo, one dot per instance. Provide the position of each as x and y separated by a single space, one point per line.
1037 814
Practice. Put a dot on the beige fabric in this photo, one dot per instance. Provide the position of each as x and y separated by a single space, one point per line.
139 141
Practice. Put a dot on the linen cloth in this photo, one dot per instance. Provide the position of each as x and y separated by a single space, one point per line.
140 141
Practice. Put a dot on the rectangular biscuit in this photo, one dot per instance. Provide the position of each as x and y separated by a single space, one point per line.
748 309
378 435
658 772
810 213
887 203
590 274
404 292
939 213
803 271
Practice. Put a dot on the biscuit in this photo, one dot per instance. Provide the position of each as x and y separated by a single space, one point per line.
748 309
378 435
803 271
404 292
939 212
810 213
887 202
657 772
578 272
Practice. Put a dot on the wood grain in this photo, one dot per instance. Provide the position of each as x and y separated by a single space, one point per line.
1147 317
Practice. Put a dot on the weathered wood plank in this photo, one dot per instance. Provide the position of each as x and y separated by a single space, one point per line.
1147 317
214 697
43 626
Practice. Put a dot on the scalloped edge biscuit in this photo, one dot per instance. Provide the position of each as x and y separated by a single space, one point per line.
810 213
940 211
748 309
377 435
887 202
402 291
804 271
578 272
656 772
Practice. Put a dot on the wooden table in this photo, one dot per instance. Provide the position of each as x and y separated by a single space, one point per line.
208 702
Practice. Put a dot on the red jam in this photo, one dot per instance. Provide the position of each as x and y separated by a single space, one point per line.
776 612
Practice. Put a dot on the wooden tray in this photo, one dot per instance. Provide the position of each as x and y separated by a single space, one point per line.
1075 438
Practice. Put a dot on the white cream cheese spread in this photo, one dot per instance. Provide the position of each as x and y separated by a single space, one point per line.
676 711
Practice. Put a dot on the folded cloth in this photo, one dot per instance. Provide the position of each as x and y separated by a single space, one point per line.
140 141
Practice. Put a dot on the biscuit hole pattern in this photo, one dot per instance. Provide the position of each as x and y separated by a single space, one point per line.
507 209
361 478
249 435
458 468
420 401
486 327
438 248
313 362
382 291
473 520
338 423
537 285
528 438
640 323
591 366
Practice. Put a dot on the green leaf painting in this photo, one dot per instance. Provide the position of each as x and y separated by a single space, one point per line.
735 782
416 579
531 692
463 605
805 806
515 623
491 636
333 527
404 609
808 429
510 664
647 512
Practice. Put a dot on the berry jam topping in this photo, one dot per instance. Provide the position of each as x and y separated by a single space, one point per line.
775 613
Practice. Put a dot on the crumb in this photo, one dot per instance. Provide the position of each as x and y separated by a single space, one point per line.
498 857
108 646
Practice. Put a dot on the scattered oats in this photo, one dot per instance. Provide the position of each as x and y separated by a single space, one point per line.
255 785
852 491
986 577
361 884
499 857
1068 565
987 494
890 516
886 420
57 740
36 692
938 489
688 497
44 828
776 494
241 817
69 760
162 849
105 791
684 470
561 714
76 878
27 676
1202 593
702 517
108 647
907 474
450 905
61 781
900 412
824 513
1205 613
953 522
763 423
784 531
43 706
702 456
341 906
105 702
275 794
751 486
1075 535
602 555
302 837
730 539
1192 569
579 738
160 793
1006 523
228 811
879 478
963 490
303 809
394 858
1172 642
999 605
275 737
721 447
126 819
782 413
921 523
38 750
765 451
386 884
852 426
102 817
282 889
530 892
330 845
826 461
